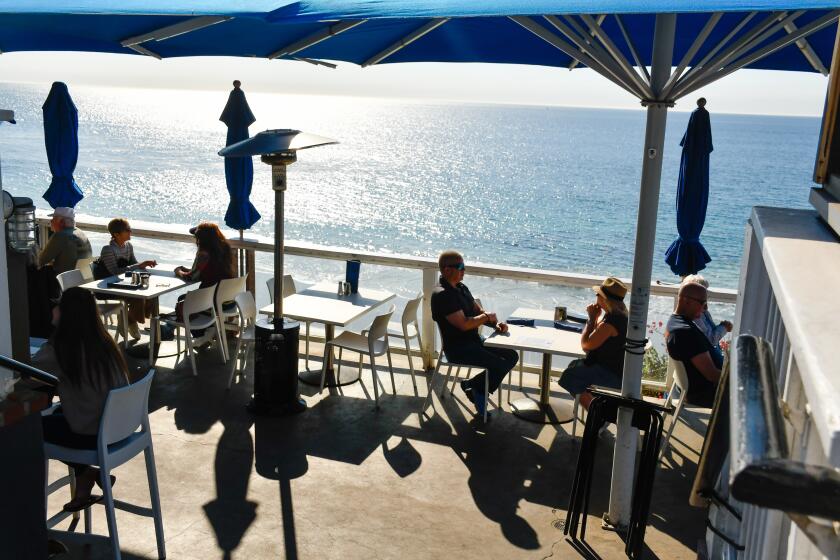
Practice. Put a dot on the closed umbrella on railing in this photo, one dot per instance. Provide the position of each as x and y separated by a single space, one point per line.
239 171
61 138
686 255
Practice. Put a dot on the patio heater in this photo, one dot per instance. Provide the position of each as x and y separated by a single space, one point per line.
276 348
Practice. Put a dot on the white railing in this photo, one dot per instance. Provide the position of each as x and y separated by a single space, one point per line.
250 245
786 296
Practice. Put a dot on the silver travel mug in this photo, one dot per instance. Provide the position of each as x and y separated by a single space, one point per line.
135 278
340 288
144 280
560 313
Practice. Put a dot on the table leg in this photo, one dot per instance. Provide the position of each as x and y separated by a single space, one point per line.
314 377
545 410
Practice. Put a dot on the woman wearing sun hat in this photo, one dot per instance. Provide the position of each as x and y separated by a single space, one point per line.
603 341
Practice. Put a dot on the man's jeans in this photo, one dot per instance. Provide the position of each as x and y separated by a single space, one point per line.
497 361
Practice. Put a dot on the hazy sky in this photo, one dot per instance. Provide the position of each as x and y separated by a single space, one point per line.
746 91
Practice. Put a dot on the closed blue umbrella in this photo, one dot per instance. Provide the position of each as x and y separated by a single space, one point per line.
686 255
239 171
61 138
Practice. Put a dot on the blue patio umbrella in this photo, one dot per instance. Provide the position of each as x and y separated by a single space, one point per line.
239 171
61 138
686 255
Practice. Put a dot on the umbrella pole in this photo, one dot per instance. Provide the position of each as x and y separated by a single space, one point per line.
624 458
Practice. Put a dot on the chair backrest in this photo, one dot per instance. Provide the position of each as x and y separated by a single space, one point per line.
379 327
126 409
289 287
410 312
247 307
676 370
198 301
86 268
228 289
70 279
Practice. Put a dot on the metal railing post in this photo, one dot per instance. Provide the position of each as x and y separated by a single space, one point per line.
427 324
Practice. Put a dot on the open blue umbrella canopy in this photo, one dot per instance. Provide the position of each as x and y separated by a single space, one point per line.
686 255
61 137
239 171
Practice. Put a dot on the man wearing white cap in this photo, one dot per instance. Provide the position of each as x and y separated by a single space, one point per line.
67 245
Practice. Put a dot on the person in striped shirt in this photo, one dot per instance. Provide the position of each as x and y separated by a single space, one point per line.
117 257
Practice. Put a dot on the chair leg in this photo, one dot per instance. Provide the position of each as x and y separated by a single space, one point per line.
307 345
455 380
487 393
190 350
391 370
235 358
410 362
375 380
435 374
446 381
222 336
154 494
575 416
108 500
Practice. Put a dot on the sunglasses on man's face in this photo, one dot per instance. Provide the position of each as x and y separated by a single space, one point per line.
460 266
698 300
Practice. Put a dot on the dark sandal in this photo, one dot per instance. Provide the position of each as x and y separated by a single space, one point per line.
92 499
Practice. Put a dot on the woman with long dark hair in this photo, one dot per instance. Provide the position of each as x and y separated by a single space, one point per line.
88 365
213 259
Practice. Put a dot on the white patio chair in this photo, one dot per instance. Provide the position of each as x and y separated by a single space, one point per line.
86 268
199 312
375 343
247 314
289 288
407 329
119 440
107 309
676 370
444 361
226 293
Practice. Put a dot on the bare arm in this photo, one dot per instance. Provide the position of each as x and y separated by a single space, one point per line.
593 337
704 364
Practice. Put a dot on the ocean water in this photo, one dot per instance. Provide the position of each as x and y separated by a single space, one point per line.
544 187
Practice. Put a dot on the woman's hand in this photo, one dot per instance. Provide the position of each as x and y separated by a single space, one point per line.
594 311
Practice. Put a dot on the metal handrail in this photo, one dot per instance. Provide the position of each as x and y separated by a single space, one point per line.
28 371
761 472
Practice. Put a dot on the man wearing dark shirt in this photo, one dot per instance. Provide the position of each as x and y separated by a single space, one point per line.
459 317
688 344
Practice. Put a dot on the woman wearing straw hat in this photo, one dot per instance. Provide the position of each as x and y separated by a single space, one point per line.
603 341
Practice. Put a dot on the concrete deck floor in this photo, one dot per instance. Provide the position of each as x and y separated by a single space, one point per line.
343 480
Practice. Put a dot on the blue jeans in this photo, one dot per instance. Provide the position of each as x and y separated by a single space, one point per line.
497 361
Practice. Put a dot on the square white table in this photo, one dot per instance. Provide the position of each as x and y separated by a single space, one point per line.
322 304
162 280
548 341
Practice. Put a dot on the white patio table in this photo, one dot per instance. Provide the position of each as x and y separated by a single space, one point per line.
162 280
322 304
548 341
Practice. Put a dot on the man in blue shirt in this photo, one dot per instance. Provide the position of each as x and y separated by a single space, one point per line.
688 344
459 317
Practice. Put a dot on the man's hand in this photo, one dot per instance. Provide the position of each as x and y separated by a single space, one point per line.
491 318
502 327
727 325
147 264
594 311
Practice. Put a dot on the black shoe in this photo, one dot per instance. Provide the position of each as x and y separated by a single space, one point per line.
467 391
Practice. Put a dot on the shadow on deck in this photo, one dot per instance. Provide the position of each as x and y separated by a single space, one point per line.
344 480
